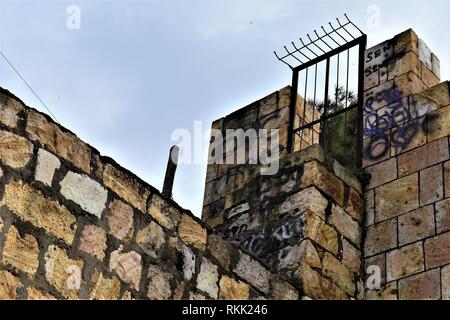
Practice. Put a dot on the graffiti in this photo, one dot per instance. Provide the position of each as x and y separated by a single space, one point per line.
396 125
378 57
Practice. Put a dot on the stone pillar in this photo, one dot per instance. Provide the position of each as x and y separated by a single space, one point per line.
406 128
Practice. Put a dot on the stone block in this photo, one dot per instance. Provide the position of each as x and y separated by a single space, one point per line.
380 237
351 257
307 199
30 205
231 289
87 193
58 141
382 173
9 111
355 205
151 238
416 225
318 231
164 213
128 266
431 185
192 233
445 282
253 272
289 258
318 287
423 286
369 206
440 126
104 288
158 283
437 250
345 225
396 197
8 285
93 241
388 292
443 216
408 62
47 163
15 151
21 252
339 273
208 278
221 250
36 294
405 261
120 220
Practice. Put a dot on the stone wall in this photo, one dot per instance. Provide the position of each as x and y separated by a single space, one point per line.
76 225
406 152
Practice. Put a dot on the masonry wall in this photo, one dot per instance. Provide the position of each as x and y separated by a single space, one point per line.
76 225
406 152
303 221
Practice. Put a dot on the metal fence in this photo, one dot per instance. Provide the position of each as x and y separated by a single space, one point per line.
326 104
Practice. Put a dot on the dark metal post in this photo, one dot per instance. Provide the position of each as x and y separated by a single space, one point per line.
170 171
292 107
360 108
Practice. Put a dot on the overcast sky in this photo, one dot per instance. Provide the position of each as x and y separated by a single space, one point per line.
137 70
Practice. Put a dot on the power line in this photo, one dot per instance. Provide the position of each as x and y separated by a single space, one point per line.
29 87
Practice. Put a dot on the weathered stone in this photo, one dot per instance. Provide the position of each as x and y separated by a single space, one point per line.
158 283
423 157
104 288
316 175
319 232
355 205
47 163
428 77
443 216
408 62
382 173
207 279
21 252
317 287
1 224
388 292
151 238
178 293
339 273
220 249
369 205
165 214
445 281
345 175
120 220
396 197
126 187
447 177
30 205
416 225
351 256
63 273
36 294
128 266
406 41
253 272
268 105
405 261
87 193
293 257
380 237
441 124
188 262
192 233
345 225
231 289
422 286
93 241
62 143
15 151
9 111
241 208
307 199
431 185
281 290
408 84
8 285
437 250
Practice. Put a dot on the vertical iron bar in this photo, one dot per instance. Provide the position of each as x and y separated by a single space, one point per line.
346 96
170 172
314 102
362 48
325 107
304 107
293 103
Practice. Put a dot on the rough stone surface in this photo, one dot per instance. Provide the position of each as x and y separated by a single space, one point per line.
47 163
382 173
166 215
431 185
416 225
231 289
351 256
93 241
345 225
192 233
405 261
380 237
15 151
437 250
21 252
158 283
445 280
8 285
396 197
30 205
36 294
355 205
253 272
62 143
422 286
208 278
9 111
120 220
63 273
281 290
339 273
128 266
317 287
151 238
188 263
87 193
220 249
319 232
307 199
292 257
126 187
104 288
388 292
443 216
